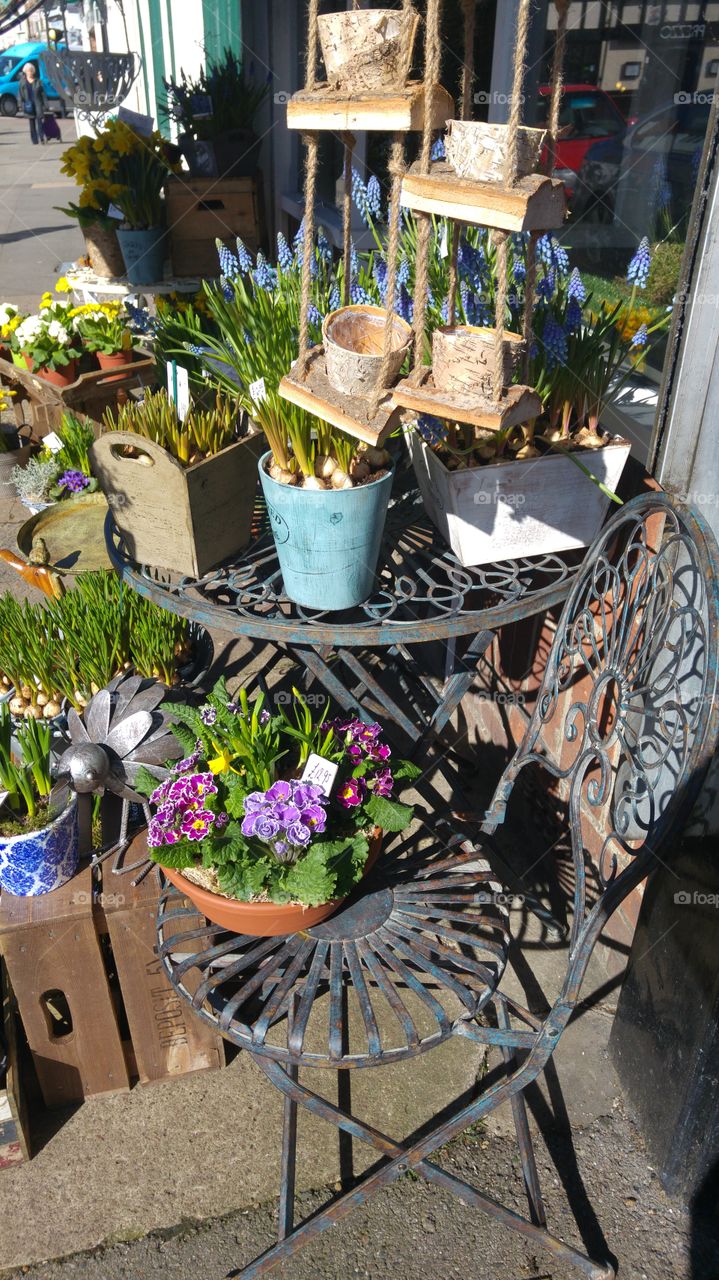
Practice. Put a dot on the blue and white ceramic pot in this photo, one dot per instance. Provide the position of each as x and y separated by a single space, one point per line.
41 861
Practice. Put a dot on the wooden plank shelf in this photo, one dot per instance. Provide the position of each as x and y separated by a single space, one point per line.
314 392
535 203
400 111
519 404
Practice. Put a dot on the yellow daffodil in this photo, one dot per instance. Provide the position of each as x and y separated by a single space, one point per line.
61 285
221 763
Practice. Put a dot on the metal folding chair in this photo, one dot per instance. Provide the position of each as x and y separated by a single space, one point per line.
625 723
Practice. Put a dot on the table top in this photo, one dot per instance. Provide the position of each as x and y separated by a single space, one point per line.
423 593
85 280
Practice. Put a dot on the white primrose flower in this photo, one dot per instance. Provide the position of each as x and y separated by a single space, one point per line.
28 331
58 333
7 311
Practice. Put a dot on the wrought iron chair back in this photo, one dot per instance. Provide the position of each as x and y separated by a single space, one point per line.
627 717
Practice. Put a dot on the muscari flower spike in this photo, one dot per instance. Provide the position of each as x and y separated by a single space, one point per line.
641 337
438 151
374 197
638 269
359 195
554 339
244 257
229 264
285 258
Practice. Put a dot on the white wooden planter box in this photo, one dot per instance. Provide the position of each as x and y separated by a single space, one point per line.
510 509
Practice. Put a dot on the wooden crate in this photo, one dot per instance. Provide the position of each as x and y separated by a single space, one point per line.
54 959
202 210
168 1039
14 1130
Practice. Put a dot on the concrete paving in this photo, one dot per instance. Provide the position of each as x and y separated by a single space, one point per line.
35 239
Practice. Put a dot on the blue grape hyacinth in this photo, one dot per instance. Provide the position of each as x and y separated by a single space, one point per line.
641 337
285 257
438 152
229 265
374 197
638 269
244 257
554 339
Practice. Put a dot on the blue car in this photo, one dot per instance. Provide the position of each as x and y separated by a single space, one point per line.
12 62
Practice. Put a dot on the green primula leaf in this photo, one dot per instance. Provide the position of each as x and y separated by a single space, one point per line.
189 717
406 769
244 879
144 782
390 815
349 864
236 790
311 880
175 856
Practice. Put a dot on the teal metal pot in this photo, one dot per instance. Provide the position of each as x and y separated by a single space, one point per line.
144 254
327 541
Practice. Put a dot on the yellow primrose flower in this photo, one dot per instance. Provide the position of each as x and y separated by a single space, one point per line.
61 285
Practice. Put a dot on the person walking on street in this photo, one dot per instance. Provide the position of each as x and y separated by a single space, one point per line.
33 101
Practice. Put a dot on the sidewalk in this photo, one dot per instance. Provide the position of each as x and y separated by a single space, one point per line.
35 239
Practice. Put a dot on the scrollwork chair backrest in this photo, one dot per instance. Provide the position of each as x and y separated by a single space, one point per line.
627 717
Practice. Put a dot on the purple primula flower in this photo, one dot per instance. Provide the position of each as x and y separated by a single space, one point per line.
351 793
199 785
314 817
379 752
221 820
266 826
304 793
184 766
208 715
197 823
638 269
233 707
265 717
383 783
279 791
74 481
160 793
254 802
299 834
286 814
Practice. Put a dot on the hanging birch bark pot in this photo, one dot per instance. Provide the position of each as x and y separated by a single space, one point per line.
463 358
366 49
479 151
354 346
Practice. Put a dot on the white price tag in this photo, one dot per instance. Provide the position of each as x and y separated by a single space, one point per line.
114 212
178 388
3 797
53 442
444 242
258 391
140 123
321 772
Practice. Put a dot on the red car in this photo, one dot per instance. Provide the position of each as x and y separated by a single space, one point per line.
587 115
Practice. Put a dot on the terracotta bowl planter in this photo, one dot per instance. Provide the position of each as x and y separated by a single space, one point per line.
463 358
479 151
354 343
366 49
117 360
56 377
262 919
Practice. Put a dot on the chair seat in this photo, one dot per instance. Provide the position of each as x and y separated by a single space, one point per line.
420 945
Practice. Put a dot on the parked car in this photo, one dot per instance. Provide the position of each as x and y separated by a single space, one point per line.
12 62
586 115
655 161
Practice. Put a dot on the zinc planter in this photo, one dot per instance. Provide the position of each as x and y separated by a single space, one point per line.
8 461
143 253
328 540
262 919
40 861
187 519
527 507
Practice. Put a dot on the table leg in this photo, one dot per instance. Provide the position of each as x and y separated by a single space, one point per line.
288 1166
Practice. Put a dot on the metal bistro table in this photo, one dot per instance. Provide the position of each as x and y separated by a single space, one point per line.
423 595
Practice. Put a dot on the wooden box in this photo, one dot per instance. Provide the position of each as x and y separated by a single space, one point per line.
186 519
55 963
14 1129
202 210
168 1038
531 507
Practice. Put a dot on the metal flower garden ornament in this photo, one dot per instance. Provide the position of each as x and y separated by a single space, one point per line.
282 812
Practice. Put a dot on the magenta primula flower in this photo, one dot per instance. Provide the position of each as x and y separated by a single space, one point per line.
198 785
382 783
197 823
351 793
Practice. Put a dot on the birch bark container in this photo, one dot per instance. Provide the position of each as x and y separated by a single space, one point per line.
478 151
367 49
354 343
463 358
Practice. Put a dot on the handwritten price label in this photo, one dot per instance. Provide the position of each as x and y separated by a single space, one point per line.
53 442
258 391
321 772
